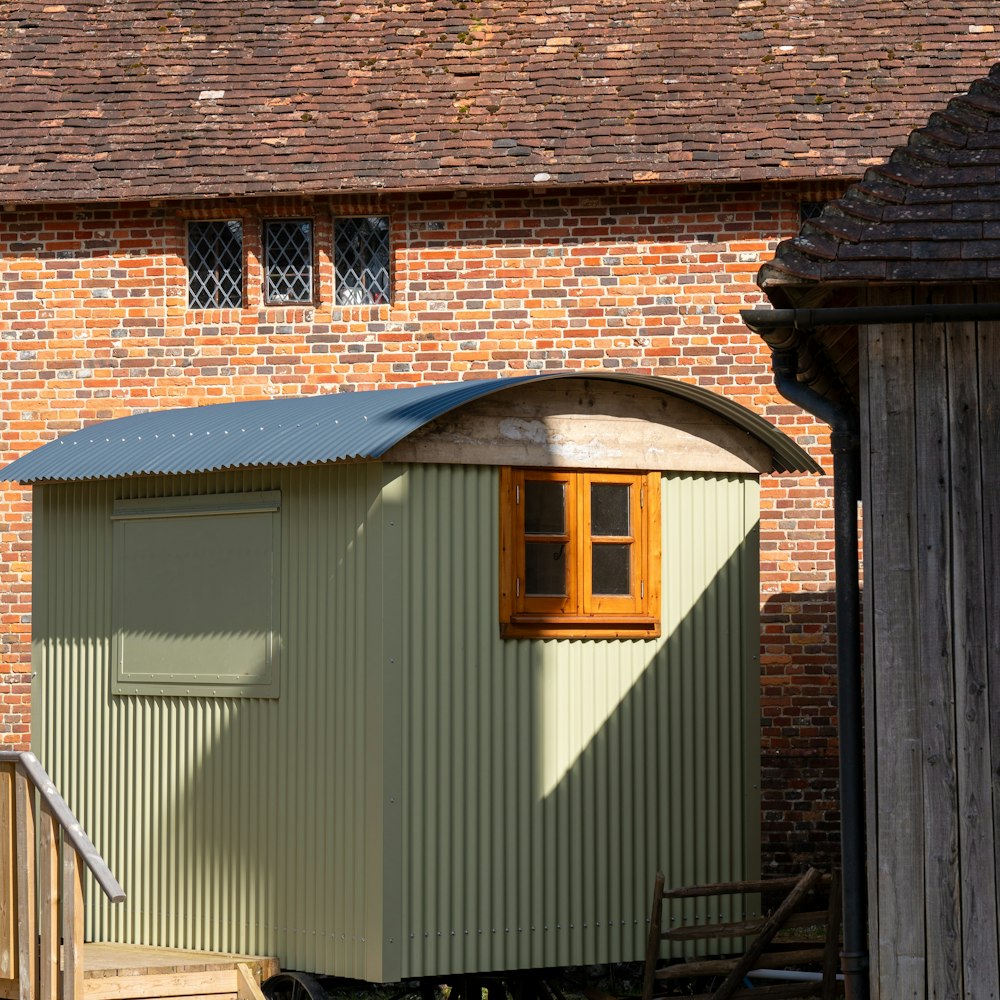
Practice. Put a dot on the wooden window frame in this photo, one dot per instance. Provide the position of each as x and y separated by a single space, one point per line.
580 613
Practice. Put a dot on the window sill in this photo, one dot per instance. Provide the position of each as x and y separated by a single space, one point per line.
525 626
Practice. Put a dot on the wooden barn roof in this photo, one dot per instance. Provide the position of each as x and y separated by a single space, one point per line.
930 214
148 99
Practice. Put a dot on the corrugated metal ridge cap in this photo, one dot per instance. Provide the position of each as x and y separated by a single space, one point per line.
316 429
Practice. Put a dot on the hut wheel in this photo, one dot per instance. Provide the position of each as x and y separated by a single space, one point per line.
293 986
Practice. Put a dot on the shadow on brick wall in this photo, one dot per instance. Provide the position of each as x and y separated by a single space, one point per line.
800 809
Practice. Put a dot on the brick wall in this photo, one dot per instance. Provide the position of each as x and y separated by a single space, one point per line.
94 324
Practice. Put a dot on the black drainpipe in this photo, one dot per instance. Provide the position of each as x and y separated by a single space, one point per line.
845 444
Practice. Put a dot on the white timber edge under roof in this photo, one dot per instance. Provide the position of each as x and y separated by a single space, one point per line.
586 423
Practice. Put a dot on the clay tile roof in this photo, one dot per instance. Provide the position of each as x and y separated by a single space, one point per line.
198 98
931 213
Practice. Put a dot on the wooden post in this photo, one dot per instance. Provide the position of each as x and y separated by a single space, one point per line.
247 987
8 876
653 938
27 944
831 949
72 924
48 915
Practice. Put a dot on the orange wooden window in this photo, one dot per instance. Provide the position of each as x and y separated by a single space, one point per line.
579 553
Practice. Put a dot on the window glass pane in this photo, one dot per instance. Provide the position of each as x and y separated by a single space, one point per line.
609 509
215 265
610 570
361 259
545 569
288 252
544 508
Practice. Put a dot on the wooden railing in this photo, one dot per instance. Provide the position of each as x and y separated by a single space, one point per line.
41 906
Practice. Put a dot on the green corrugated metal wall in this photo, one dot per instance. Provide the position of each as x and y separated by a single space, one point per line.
422 797
233 824
546 781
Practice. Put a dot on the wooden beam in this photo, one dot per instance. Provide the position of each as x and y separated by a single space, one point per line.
744 928
72 923
27 933
183 984
736 888
653 937
722 966
247 987
48 905
8 876
831 950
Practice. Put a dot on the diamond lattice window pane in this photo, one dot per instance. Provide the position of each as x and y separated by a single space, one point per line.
215 265
809 210
361 250
289 255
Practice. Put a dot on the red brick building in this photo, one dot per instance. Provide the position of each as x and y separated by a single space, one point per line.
209 203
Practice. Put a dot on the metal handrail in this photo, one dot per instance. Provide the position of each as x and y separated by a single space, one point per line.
72 830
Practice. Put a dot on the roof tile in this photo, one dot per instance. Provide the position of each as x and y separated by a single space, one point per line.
940 202
110 100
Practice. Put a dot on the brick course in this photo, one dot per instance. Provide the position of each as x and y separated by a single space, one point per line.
94 324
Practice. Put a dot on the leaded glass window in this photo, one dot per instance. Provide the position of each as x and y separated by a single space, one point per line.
809 210
288 260
361 254
215 265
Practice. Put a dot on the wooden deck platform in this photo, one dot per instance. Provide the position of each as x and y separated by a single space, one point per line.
101 959
136 972
139 972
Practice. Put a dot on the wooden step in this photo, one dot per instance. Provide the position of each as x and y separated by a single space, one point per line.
722 966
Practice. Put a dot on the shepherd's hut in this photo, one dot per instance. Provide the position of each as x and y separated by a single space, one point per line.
408 682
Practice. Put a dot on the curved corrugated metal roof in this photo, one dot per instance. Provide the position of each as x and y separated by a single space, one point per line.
308 430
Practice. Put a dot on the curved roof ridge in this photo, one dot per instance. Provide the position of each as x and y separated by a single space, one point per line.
931 212
309 430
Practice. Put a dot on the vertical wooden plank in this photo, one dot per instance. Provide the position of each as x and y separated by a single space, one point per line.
976 835
48 906
27 942
935 673
8 876
72 924
989 422
890 573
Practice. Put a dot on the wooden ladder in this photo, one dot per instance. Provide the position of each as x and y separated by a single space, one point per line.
761 932
36 828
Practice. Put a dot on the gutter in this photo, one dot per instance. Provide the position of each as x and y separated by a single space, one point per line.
763 321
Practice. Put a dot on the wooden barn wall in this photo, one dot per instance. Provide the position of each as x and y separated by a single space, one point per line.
248 825
545 782
931 417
